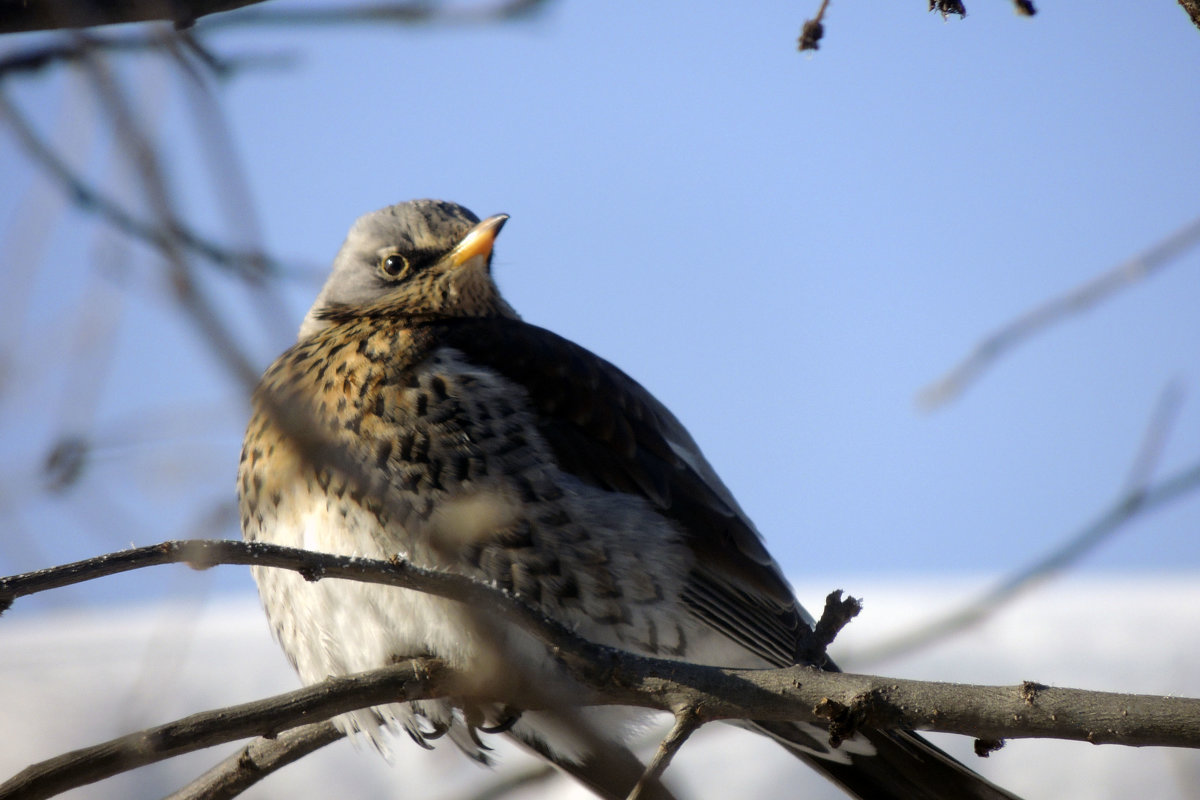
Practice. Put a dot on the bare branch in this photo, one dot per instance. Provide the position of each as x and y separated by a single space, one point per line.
257 760
419 12
411 680
687 722
1170 400
57 14
251 265
1192 8
622 678
836 615
695 694
1082 297
1137 501
41 15
189 294
707 693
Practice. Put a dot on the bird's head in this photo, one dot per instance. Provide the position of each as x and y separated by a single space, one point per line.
420 258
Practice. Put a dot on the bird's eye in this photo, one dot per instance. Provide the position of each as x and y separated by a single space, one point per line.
393 264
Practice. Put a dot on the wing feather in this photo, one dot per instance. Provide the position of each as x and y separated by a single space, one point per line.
611 433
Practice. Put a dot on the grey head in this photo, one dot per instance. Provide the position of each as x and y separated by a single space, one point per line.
419 258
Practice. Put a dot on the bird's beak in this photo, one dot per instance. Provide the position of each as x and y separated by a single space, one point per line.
478 241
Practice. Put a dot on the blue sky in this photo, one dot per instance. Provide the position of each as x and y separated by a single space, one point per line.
783 247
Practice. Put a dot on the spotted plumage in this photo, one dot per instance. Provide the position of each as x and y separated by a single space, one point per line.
419 416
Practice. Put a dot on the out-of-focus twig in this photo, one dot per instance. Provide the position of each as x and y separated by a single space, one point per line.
420 12
73 49
254 266
1192 8
36 15
1082 297
190 295
1140 501
45 15
225 170
1158 430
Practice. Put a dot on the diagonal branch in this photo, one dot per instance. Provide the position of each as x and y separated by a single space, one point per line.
1082 297
34 15
257 760
254 266
687 722
411 680
1140 500
1192 9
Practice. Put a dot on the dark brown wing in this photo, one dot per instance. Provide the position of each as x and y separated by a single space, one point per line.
611 433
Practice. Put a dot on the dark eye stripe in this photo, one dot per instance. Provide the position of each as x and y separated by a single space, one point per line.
424 257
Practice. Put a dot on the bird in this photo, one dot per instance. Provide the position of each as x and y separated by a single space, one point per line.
419 416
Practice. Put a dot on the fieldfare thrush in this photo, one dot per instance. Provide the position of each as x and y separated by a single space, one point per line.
463 439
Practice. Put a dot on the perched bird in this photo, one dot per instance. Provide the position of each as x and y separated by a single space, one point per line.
455 435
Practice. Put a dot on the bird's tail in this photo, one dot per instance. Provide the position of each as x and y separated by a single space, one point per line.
885 765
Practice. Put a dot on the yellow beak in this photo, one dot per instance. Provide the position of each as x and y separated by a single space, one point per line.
478 241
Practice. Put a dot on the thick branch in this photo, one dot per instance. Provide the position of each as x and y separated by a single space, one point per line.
30 15
705 694
42 15
626 679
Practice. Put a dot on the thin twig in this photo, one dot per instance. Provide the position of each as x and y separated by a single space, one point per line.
686 723
190 295
1127 507
67 51
412 13
44 15
1082 297
252 265
257 760
1166 411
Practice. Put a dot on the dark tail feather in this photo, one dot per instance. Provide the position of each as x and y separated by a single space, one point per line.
903 766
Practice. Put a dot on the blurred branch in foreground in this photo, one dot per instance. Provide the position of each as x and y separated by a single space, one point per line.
1192 8
694 694
89 198
1084 296
39 15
